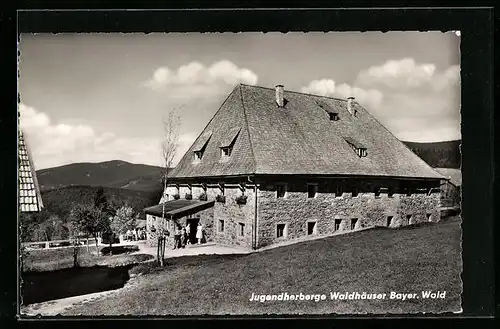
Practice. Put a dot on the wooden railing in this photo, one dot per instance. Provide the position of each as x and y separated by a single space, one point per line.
59 243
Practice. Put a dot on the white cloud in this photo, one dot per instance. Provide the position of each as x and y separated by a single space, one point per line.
196 78
407 74
416 101
54 144
328 87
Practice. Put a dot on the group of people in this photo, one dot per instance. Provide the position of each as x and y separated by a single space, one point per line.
135 235
182 234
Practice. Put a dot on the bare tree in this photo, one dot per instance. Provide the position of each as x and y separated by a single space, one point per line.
169 145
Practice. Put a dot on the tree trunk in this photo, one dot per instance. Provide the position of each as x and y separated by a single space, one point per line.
110 245
96 246
158 251
76 245
88 250
163 250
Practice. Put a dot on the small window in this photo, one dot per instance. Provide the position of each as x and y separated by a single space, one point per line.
242 229
337 224
312 189
389 221
311 228
280 230
408 218
226 151
355 192
339 190
280 190
354 221
334 116
198 155
221 225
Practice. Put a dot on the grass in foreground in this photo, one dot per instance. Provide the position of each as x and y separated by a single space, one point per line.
62 258
407 260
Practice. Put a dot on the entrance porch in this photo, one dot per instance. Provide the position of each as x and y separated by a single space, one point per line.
183 214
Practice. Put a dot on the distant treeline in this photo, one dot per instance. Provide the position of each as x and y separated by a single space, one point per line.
59 202
439 154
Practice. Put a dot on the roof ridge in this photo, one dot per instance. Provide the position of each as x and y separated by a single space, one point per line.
295 92
248 130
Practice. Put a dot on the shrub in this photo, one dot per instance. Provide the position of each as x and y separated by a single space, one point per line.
242 199
220 198
108 238
115 250
189 196
203 197
176 196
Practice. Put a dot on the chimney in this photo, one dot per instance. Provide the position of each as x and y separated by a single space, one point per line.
350 100
279 95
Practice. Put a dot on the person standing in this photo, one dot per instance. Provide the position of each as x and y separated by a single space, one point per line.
177 237
188 234
199 233
183 237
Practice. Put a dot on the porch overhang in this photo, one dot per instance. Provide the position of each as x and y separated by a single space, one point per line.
178 208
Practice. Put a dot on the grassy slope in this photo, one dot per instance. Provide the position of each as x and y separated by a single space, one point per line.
374 261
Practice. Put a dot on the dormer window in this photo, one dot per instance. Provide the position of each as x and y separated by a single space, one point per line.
332 113
226 151
200 145
334 116
227 143
356 146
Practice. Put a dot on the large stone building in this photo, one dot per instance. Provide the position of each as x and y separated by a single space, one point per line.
273 165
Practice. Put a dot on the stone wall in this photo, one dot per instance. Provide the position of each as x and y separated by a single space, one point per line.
450 195
296 209
233 215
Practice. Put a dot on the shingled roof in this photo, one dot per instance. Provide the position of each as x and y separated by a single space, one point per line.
29 194
298 138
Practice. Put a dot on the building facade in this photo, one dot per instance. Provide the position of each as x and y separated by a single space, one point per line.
451 195
275 165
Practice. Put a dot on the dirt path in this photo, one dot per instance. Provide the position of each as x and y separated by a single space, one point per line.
55 307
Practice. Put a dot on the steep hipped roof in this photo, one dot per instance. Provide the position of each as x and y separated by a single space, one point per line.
298 138
454 175
29 194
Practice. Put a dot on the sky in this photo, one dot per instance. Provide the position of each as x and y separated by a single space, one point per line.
99 97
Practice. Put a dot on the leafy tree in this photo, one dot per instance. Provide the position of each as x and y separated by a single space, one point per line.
90 220
51 229
122 221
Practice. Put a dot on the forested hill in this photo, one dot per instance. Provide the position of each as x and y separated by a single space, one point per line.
438 154
115 173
